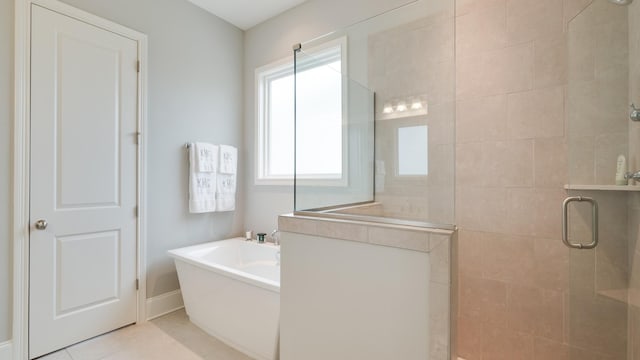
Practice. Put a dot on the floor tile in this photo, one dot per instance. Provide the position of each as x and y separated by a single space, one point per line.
169 337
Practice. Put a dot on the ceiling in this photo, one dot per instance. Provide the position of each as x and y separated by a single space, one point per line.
246 13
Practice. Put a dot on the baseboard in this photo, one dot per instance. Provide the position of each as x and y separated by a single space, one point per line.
163 304
5 351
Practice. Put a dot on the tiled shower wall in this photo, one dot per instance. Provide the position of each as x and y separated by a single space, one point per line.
529 73
511 165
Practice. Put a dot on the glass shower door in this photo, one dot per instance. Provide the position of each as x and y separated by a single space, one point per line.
602 210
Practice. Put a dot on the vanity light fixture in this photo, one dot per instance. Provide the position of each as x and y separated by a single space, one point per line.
401 108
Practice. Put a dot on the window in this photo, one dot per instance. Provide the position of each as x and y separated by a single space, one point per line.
413 156
321 117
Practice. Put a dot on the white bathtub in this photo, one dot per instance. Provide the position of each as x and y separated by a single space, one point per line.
231 290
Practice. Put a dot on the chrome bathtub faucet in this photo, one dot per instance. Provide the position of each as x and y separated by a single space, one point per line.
275 236
632 175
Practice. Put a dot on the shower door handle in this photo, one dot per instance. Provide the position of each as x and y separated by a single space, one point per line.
594 223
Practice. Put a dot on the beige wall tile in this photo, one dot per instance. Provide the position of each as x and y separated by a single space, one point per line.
337 230
504 344
440 262
530 20
413 240
481 119
551 259
495 72
551 167
550 350
440 205
589 314
483 300
469 338
581 48
535 311
469 164
612 47
441 165
439 321
481 30
470 252
584 354
535 212
607 148
537 113
508 258
297 225
441 121
482 209
464 7
581 157
507 163
573 7
550 66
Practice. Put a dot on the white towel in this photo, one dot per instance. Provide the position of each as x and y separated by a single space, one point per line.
202 187
226 192
206 157
228 160
225 202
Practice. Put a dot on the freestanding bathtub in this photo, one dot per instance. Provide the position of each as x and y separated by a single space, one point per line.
231 290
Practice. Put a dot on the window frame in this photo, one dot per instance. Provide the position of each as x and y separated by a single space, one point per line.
276 70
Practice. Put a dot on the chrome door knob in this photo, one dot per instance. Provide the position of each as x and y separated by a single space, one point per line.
41 224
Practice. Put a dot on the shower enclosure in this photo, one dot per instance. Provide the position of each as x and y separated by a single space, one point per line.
602 215
375 113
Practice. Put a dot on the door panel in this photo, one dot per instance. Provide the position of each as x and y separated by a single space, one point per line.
83 181
78 60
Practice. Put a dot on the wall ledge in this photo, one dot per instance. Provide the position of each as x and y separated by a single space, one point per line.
162 304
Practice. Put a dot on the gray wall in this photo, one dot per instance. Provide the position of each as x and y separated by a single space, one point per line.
272 41
6 103
194 93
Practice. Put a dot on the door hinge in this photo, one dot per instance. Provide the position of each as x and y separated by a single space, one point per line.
138 135
138 66
137 284
135 211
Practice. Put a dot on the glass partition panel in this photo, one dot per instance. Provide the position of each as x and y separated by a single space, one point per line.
603 293
405 60
333 133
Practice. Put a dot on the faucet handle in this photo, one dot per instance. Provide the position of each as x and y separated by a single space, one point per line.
275 235
632 175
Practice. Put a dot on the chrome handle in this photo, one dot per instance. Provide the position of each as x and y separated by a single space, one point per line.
632 175
634 115
594 223
41 224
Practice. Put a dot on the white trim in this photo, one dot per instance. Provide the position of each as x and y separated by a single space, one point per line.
164 304
21 176
20 184
285 67
5 351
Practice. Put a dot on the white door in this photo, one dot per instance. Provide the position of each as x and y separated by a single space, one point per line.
83 261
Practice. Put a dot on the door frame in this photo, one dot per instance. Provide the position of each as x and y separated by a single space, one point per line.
21 158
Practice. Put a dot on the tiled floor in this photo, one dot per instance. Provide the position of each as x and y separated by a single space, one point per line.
171 337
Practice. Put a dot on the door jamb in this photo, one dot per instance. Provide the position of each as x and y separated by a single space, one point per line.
21 156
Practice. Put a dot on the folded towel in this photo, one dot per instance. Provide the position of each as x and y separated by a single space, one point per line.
228 160
226 184
226 202
226 192
206 157
202 187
